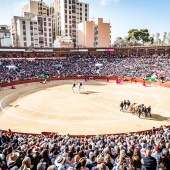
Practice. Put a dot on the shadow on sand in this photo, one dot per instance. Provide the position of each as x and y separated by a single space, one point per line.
156 117
88 92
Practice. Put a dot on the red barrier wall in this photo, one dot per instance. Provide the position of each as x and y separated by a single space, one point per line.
128 79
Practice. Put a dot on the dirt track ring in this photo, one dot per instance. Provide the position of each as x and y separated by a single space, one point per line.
97 119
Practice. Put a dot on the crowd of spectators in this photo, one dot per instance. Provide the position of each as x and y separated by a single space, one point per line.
139 151
88 65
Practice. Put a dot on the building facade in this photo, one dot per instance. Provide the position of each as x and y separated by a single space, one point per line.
66 15
31 31
102 33
94 34
36 7
5 36
86 34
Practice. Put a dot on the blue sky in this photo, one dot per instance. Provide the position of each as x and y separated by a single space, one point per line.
122 14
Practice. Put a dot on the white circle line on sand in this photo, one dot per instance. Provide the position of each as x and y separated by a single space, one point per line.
55 122
57 114
42 121
33 110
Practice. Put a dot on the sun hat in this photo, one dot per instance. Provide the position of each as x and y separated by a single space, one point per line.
59 161
99 159
122 153
12 157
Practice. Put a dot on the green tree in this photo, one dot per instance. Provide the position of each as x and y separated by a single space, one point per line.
144 35
151 40
135 35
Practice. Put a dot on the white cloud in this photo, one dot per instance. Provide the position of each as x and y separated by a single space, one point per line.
103 2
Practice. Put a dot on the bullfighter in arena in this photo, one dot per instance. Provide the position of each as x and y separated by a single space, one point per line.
80 86
74 87
128 104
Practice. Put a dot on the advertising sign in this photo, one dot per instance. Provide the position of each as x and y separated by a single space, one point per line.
43 50
100 49
109 49
83 50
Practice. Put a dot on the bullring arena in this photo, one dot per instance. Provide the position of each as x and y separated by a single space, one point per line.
53 107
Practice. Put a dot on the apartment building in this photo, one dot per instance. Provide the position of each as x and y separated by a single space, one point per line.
5 36
102 33
66 15
36 7
94 34
86 34
31 31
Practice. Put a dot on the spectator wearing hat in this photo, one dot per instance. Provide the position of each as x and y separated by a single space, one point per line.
156 154
149 162
60 163
11 159
99 160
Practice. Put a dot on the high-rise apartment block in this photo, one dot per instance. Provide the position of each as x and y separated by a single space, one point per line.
5 36
66 15
94 34
31 30
36 7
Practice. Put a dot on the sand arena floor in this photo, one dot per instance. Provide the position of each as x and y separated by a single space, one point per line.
53 107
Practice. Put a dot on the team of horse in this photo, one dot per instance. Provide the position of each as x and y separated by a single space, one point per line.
140 109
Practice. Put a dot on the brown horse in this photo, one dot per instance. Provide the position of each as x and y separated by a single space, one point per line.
133 108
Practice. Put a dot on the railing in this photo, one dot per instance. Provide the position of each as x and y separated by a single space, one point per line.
139 80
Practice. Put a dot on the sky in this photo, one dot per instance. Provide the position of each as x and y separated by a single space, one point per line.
123 15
